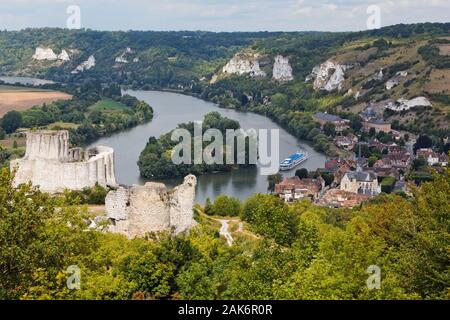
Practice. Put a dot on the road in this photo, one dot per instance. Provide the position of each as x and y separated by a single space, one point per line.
224 232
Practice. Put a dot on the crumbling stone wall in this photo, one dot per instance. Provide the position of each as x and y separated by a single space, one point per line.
139 210
51 165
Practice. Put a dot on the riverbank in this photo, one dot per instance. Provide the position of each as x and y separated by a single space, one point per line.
326 147
171 109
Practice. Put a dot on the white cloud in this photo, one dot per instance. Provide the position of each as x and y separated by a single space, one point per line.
330 6
304 10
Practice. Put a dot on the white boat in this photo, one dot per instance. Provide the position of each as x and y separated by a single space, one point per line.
294 160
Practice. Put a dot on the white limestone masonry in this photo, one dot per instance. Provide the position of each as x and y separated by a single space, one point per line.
136 211
51 165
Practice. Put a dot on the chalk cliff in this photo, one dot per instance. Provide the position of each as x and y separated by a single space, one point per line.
244 63
138 210
390 84
123 56
85 65
328 76
403 104
42 53
64 56
282 70
47 54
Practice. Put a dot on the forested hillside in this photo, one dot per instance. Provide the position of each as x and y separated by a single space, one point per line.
291 252
375 67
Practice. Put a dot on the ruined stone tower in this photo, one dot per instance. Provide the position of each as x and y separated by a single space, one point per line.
50 145
51 165
139 210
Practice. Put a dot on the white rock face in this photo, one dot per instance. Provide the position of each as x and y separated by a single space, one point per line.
86 65
404 104
51 165
402 73
282 70
244 64
47 54
139 210
328 76
379 75
391 84
123 57
416 102
42 53
64 56
214 79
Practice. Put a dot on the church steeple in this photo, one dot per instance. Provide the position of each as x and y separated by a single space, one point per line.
358 161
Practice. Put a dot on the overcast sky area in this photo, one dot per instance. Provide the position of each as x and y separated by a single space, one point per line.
220 15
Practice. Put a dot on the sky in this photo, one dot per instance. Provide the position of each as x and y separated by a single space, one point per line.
220 15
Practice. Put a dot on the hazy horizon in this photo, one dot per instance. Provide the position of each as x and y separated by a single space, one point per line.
220 16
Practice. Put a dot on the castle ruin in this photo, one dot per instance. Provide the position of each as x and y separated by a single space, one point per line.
133 211
51 165
138 210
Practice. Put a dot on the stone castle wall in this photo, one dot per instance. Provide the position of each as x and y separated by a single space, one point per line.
139 210
51 165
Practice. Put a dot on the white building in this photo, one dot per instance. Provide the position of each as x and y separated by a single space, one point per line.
361 182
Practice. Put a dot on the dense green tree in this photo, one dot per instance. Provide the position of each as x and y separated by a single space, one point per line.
329 129
302 173
269 216
96 117
423 141
387 185
302 251
224 206
155 161
328 177
280 100
36 238
11 121
419 163
372 159
273 179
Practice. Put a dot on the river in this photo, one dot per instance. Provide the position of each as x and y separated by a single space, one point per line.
27 81
170 109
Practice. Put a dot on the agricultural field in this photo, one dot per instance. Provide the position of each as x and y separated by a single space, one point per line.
108 105
21 98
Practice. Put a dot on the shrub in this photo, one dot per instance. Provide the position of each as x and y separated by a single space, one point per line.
268 215
224 206
387 185
11 121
